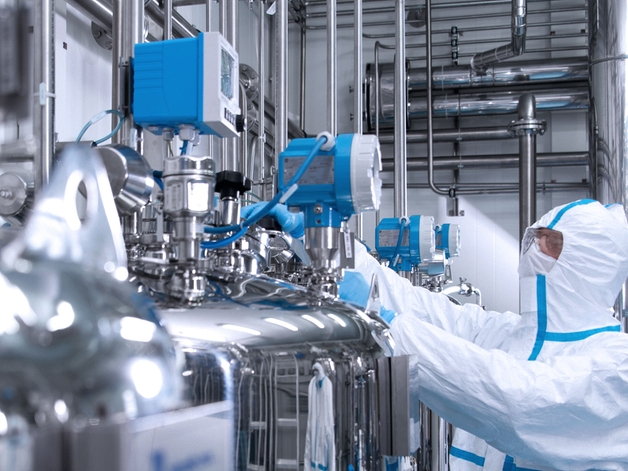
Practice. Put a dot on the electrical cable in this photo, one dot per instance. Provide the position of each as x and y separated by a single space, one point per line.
157 176
97 118
404 223
244 225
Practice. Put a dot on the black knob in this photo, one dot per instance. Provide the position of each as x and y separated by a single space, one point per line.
240 123
230 183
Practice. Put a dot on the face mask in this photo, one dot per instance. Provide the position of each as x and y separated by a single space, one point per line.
534 262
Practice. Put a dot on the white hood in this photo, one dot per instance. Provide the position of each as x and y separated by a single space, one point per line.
579 291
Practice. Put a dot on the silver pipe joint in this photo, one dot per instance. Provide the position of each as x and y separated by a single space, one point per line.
516 47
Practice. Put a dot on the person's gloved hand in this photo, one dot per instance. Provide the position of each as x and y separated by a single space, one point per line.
355 289
289 221
387 314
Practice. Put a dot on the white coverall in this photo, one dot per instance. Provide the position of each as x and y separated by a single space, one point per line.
320 447
544 390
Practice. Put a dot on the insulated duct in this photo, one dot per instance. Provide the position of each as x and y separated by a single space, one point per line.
516 47
450 106
381 82
514 73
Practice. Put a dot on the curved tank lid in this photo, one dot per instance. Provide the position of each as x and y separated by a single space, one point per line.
257 311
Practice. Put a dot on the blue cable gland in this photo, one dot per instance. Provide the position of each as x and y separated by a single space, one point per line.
324 191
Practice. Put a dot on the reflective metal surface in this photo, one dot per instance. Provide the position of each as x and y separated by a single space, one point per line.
527 127
130 177
517 44
609 46
255 339
400 93
444 78
86 347
15 198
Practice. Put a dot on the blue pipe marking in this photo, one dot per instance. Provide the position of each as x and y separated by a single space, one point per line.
541 306
567 208
467 456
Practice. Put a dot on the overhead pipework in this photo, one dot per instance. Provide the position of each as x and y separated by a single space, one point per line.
516 47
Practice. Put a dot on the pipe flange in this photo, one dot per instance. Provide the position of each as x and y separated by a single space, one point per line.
527 126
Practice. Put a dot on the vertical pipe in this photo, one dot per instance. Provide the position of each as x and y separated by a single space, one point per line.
302 76
167 19
332 89
608 49
228 23
44 103
128 30
232 23
208 15
401 174
357 91
281 78
208 28
222 17
443 445
430 111
527 165
377 90
261 68
244 136
116 72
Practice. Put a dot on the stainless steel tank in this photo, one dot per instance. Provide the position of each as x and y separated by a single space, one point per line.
255 339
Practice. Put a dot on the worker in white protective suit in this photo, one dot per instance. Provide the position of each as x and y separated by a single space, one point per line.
320 448
544 390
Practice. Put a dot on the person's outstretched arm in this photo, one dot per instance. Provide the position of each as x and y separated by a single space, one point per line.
470 322
566 412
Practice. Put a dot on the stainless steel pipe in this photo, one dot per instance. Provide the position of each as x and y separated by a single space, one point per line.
486 104
101 12
281 78
358 109
553 159
228 27
44 101
332 62
609 142
527 163
167 19
401 174
261 114
128 30
494 188
513 73
428 104
452 135
516 47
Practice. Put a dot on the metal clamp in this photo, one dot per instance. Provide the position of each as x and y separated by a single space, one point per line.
527 126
